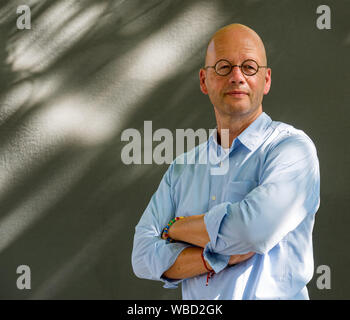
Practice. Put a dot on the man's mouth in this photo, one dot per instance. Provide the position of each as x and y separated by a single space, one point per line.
237 93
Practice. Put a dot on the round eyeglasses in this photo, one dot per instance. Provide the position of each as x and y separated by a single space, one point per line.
223 67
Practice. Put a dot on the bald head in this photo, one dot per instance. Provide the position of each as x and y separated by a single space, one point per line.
235 37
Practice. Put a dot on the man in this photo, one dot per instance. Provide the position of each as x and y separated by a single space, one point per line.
252 225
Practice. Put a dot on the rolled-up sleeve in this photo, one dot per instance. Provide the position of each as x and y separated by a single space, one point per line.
151 255
287 192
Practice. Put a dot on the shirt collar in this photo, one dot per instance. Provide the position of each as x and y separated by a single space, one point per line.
251 137
256 132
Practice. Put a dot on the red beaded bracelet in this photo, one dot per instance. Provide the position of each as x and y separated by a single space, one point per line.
165 232
210 272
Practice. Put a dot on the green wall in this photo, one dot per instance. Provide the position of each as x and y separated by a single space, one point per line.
89 69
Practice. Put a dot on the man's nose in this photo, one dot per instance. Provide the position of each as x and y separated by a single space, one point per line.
236 75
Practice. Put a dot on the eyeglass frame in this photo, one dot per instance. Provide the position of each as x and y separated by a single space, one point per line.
235 65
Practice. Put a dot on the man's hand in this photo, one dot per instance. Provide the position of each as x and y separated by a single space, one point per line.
237 258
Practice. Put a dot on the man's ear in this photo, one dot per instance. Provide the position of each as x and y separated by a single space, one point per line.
202 84
267 81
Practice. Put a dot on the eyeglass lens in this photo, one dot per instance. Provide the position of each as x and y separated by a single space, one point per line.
248 67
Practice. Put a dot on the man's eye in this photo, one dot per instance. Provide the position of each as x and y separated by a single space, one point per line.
248 67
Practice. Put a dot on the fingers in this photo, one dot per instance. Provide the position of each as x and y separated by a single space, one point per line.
246 256
237 258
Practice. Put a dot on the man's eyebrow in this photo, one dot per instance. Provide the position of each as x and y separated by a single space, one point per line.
256 59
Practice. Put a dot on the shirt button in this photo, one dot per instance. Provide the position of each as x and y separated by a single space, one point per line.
213 198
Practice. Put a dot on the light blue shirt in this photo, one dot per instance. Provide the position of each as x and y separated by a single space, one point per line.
265 203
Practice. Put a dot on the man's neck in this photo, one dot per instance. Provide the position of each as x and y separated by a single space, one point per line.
234 126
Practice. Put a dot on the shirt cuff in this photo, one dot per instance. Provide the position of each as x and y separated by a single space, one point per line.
178 248
171 283
212 220
217 261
